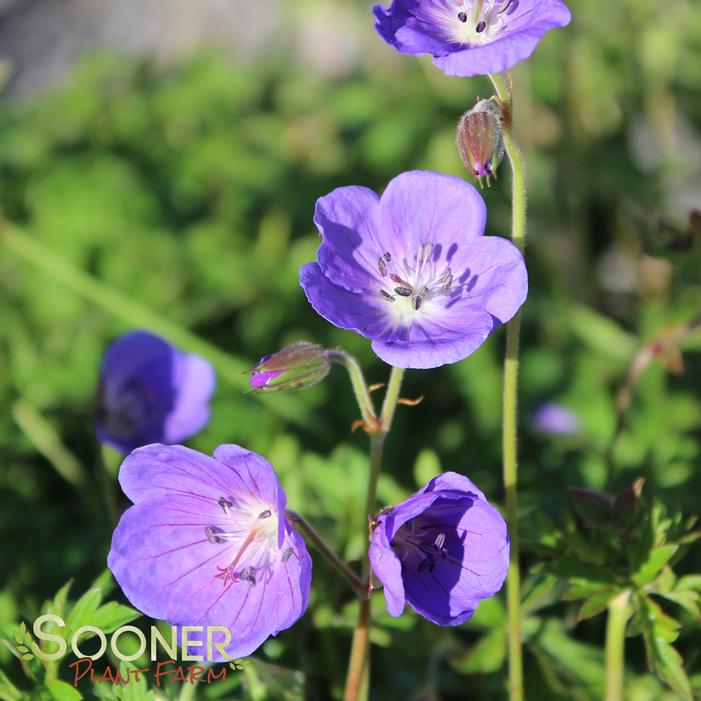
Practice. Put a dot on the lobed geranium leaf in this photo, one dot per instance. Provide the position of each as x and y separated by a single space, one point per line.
112 615
659 631
656 560
83 612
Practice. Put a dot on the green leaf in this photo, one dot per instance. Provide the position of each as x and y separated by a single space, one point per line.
113 615
104 581
8 691
596 603
58 605
486 656
691 581
60 691
688 600
656 560
671 670
83 612
661 656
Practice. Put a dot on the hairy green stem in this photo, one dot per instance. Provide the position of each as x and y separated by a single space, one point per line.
329 555
618 614
360 388
510 397
357 679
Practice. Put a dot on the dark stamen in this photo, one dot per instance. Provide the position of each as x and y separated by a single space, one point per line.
481 27
224 503
462 16
382 267
211 533
265 514
416 302
387 295
403 291
387 256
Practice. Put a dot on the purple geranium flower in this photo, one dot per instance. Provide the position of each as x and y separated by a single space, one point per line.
412 271
470 37
208 543
556 420
151 392
441 551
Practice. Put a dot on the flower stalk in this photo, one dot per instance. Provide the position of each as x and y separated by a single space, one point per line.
618 614
357 679
510 395
301 524
360 387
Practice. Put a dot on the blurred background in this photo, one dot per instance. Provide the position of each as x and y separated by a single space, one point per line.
159 165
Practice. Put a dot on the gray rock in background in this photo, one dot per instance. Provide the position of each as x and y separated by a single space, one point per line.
41 39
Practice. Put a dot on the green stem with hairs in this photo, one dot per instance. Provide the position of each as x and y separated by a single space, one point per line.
510 396
618 615
360 388
357 679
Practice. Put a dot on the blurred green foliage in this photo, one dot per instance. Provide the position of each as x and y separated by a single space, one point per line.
189 191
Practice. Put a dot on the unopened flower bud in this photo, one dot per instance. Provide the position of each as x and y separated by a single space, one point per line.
297 366
480 140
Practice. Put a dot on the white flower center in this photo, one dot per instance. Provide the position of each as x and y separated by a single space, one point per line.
251 527
474 22
415 288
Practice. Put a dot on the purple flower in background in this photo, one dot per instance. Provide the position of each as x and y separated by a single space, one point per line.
555 419
412 270
470 37
207 543
441 551
151 392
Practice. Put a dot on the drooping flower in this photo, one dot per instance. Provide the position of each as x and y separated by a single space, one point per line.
469 37
412 270
207 543
441 551
296 366
151 392
480 140
556 420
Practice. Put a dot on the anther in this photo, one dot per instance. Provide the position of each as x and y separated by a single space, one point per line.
382 266
212 535
481 26
249 576
416 302
387 256
462 16
428 251
387 296
287 554
265 514
403 291
225 504
446 281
